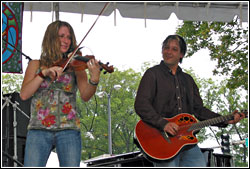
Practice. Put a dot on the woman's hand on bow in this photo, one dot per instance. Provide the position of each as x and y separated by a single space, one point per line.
53 72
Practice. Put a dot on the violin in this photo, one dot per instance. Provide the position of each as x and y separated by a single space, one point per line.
80 63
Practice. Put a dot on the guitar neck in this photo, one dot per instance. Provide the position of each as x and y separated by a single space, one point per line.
213 121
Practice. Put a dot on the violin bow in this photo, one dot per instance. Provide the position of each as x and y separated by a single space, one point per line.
75 50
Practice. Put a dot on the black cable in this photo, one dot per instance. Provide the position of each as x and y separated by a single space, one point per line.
27 57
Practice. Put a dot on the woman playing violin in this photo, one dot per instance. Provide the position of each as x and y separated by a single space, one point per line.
54 121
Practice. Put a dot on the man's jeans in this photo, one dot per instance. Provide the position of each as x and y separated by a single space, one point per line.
192 157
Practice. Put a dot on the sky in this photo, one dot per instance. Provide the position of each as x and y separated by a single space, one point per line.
127 45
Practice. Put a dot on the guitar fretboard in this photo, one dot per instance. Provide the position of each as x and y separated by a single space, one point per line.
205 123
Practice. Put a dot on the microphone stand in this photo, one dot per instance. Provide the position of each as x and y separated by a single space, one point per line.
15 107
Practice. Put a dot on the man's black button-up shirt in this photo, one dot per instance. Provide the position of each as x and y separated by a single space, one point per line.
163 95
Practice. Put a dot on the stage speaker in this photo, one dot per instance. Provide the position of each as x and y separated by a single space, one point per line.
208 153
22 120
131 159
222 160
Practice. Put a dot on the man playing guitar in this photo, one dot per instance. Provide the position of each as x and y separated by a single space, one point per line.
165 93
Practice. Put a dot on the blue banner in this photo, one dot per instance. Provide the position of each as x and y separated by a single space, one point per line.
12 19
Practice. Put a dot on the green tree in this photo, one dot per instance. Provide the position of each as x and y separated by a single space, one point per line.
11 82
223 100
227 43
235 100
95 115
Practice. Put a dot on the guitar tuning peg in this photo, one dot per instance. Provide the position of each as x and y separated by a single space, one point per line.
101 68
105 72
107 63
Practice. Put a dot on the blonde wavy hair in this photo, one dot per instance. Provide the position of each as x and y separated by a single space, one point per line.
51 43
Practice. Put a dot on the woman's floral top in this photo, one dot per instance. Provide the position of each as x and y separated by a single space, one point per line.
53 106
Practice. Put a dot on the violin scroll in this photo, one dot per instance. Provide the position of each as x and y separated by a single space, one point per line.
108 69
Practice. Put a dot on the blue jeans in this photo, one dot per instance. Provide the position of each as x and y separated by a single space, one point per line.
192 157
39 144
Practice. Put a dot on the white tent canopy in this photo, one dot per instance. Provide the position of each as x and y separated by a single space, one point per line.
191 11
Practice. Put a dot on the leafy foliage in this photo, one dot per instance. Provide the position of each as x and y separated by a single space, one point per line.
227 43
11 82
223 100
123 117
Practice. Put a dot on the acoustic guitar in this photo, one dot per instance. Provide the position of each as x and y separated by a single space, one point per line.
158 145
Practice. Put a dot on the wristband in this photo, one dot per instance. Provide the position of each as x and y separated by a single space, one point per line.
41 75
93 83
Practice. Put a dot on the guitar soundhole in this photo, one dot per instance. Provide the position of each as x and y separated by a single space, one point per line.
186 119
190 137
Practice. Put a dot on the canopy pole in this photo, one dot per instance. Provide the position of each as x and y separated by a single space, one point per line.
52 9
114 13
56 5
240 8
55 9
82 12
145 14
207 7
177 8
31 12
